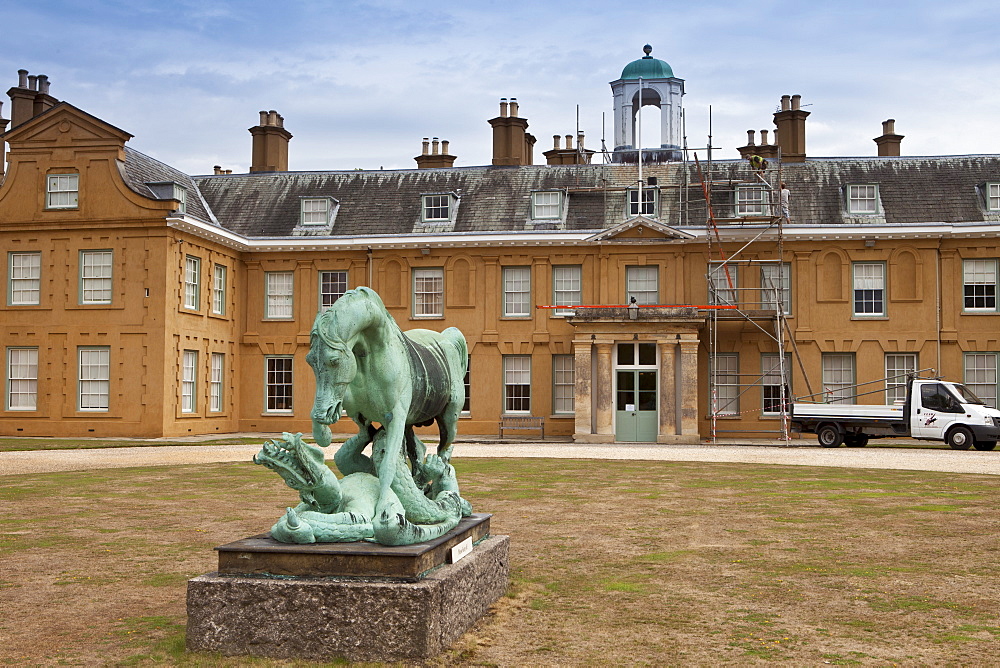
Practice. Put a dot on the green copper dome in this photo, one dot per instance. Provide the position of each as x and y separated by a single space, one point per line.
647 67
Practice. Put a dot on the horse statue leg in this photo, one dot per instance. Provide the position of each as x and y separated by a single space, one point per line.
349 458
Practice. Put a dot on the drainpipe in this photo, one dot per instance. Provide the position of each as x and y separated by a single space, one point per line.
937 299
368 261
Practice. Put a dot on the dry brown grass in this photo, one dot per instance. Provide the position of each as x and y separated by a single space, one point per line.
624 563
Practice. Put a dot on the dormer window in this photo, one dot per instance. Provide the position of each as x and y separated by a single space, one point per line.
436 208
648 202
862 199
993 196
62 191
181 195
546 205
170 190
315 210
751 201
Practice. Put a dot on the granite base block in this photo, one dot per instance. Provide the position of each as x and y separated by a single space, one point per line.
358 620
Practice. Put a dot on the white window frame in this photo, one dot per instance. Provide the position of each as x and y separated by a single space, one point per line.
180 194
979 285
546 205
189 381
897 365
219 278
517 292
567 288
332 286
770 383
563 384
428 292
751 200
96 274
862 199
24 278
868 291
93 379
431 207
993 196
62 191
981 376
782 273
467 381
315 210
726 381
643 283
22 378
720 293
516 384
278 384
216 382
279 295
650 199
192 282
838 378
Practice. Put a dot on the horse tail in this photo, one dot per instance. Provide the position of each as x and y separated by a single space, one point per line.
454 336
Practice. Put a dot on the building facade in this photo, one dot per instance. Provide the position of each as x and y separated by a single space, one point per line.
141 301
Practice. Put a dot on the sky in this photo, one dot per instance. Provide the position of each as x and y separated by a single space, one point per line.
360 83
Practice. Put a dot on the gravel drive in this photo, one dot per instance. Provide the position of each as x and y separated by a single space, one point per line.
44 461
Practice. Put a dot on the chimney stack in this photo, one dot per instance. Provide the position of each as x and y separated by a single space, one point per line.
791 129
888 143
568 155
3 144
512 145
22 98
434 159
764 150
270 143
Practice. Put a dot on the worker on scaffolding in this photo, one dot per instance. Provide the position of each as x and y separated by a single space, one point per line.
784 195
757 163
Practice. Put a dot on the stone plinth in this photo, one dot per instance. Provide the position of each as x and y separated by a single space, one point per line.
358 619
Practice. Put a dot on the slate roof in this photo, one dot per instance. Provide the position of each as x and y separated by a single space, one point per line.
498 199
139 170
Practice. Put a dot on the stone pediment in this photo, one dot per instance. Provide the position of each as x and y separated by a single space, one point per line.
65 124
639 229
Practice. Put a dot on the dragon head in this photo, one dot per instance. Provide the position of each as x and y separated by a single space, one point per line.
302 466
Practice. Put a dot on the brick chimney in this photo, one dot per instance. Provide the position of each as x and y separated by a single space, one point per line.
434 158
568 155
512 145
763 149
3 144
22 98
791 132
888 143
270 143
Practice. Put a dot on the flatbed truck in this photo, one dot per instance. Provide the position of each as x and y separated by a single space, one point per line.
933 410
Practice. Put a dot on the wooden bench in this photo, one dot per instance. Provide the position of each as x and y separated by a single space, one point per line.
508 422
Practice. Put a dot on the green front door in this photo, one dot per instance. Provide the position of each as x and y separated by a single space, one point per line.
635 406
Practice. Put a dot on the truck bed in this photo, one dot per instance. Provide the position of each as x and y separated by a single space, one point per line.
804 411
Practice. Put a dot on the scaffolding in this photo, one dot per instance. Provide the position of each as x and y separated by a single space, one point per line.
754 281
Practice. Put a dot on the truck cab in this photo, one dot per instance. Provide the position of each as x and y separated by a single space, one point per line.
945 411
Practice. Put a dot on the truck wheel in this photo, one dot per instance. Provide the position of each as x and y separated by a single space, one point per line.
985 445
856 440
960 438
829 436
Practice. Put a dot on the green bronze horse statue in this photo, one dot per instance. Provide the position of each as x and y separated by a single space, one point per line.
379 375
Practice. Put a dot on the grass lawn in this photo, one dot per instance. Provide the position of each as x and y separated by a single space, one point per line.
655 563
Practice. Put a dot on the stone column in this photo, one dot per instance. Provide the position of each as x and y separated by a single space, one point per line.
583 399
667 429
689 391
605 391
